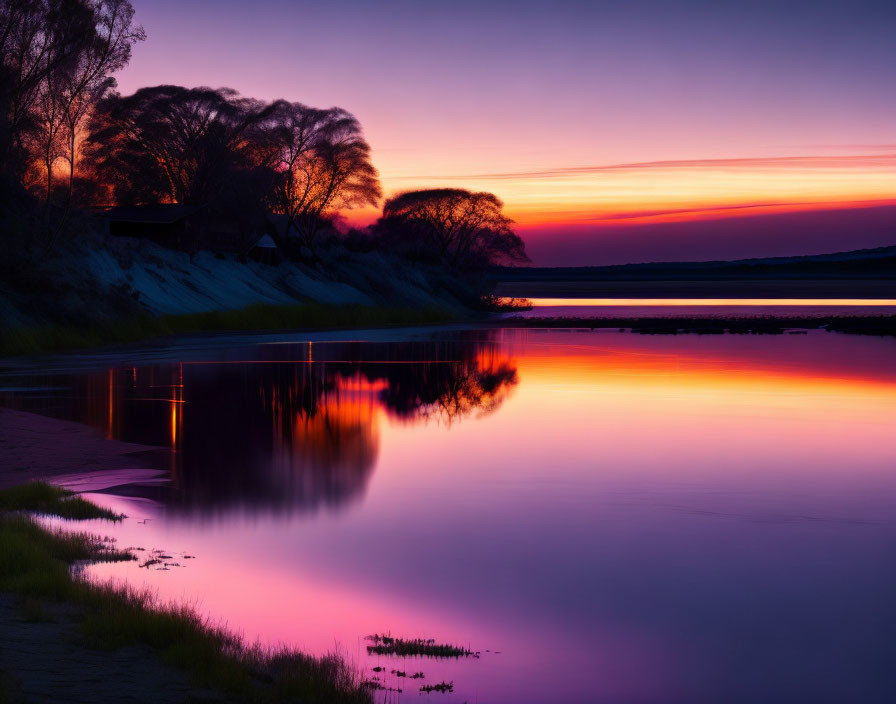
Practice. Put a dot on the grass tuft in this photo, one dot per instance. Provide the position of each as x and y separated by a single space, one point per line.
35 561
51 500
443 687
423 647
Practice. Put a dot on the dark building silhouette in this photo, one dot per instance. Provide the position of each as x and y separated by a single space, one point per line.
169 224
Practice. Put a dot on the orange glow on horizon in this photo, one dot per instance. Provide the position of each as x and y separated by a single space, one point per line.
616 363
674 191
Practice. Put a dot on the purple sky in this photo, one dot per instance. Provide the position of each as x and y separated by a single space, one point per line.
525 98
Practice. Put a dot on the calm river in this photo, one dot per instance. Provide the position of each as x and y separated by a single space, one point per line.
604 516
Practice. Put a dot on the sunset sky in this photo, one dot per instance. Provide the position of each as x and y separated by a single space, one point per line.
614 131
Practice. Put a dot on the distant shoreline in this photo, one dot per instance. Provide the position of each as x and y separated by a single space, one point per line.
322 318
880 325
709 287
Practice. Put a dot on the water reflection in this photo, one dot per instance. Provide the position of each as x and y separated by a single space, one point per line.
649 519
296 428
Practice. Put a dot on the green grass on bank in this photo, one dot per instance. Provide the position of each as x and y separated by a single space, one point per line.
33 340
37 563
42 497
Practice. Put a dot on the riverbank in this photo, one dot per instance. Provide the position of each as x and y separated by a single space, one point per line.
257 317
36 447
323 317
100 290
64 639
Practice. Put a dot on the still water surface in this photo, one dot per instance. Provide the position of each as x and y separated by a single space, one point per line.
607 517
707 307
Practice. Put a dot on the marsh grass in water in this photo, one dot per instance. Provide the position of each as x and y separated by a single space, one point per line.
41 564
422 647
36 562
47 499
442 687
880 325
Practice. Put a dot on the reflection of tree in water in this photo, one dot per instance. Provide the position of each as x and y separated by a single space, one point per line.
325 446
296 431
476 382
275 436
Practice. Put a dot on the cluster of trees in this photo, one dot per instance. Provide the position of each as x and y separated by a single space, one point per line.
244 158
57 58
237 156
450 225
69 138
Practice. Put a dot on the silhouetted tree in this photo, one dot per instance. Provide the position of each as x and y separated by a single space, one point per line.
90 78
38 40
321 163
68 94
453 226
177 145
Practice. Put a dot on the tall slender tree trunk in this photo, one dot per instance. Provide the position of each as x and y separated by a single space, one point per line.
48 162
71 168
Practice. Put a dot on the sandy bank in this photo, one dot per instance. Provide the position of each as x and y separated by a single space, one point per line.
36 447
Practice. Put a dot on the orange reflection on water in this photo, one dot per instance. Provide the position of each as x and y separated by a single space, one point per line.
588 478
177 400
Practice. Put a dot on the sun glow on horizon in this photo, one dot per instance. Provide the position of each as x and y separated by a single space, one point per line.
674 191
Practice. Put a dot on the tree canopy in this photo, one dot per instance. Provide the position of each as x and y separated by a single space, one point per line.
205 146
239 158
56 59
174 144
451 225
321 162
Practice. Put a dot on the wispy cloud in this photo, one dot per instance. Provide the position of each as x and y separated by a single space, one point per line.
849 147
723 210
852 161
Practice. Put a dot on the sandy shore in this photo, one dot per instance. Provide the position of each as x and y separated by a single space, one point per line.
36 447
45 661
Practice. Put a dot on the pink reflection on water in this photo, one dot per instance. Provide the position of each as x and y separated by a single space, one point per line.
624 527
243 575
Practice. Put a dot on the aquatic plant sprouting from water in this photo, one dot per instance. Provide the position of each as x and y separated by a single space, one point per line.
440 687
422 647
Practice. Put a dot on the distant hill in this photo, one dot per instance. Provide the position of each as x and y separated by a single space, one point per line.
878 263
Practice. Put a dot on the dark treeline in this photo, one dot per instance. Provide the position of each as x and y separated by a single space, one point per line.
57 58
71 143
239 157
